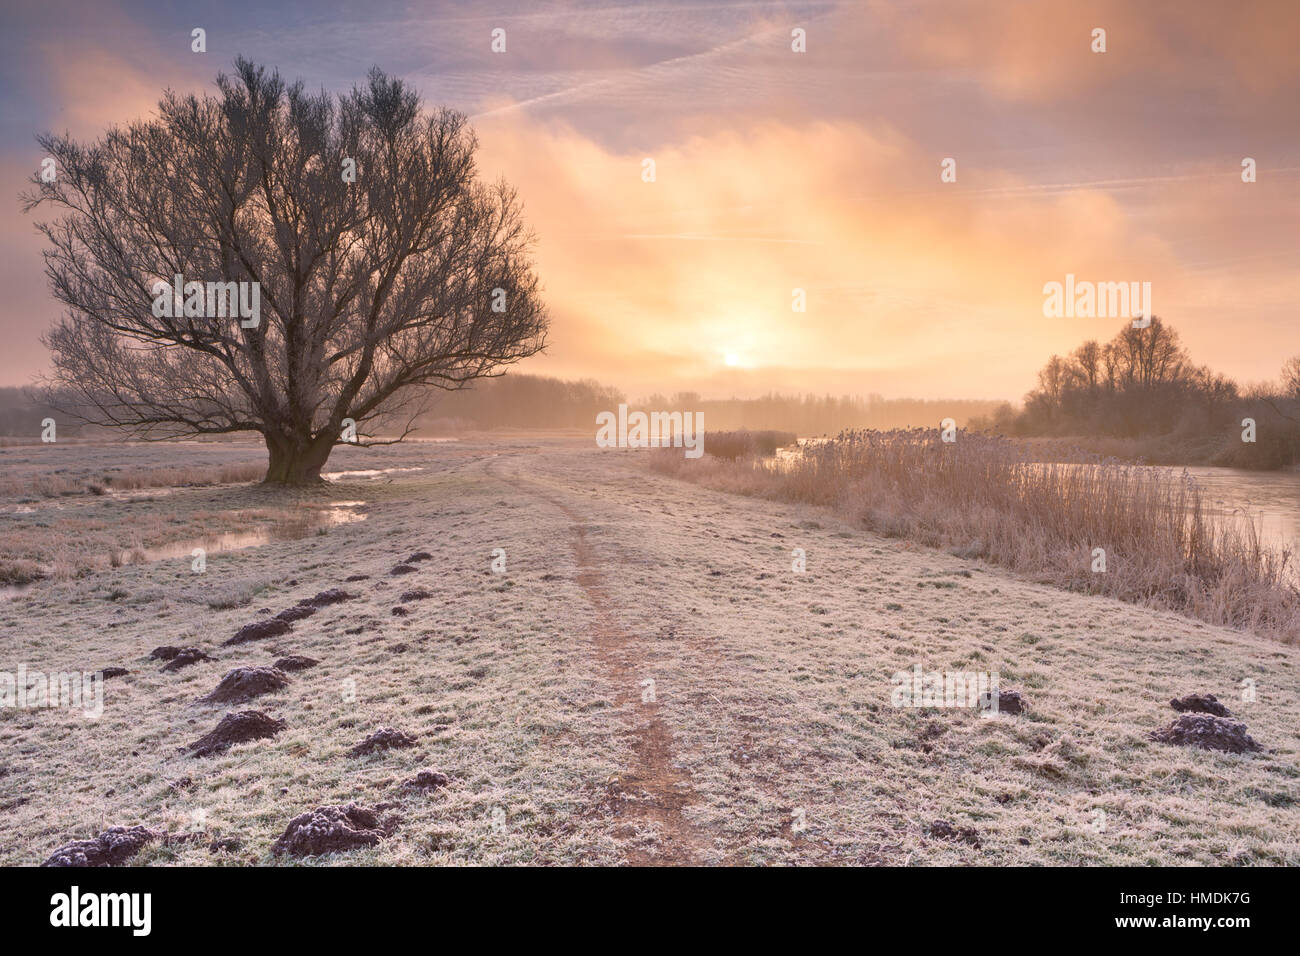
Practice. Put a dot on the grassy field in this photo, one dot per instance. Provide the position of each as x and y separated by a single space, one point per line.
767 736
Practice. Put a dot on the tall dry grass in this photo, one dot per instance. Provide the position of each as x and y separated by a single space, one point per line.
981 497
134 479
195 476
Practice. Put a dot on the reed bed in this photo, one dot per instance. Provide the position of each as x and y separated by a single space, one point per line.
981 497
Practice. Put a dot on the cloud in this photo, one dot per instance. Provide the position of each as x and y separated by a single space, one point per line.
1043 51
655 283
778 170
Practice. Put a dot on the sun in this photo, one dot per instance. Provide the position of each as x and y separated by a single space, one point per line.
731 360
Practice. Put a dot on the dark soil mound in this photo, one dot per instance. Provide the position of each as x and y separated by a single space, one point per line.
383 739
357 577
324 598
296 613
419 556
235 729
108 672
331 830
111 848
1208 733
943 830
245 683
184 658
164 653
428 780
1011 702
403 569
259 630
1200 704
416 594
401 611
295 662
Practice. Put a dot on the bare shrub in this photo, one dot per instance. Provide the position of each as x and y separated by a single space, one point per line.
745 443
19 572
231 594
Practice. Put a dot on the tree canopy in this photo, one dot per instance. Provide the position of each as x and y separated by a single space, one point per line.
382 267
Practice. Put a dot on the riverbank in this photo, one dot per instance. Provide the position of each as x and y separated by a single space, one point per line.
1169 451
1140 534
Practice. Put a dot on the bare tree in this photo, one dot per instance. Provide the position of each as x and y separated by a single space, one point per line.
1110 366
1150 355
1052 378
1291 377
371 287
1087 358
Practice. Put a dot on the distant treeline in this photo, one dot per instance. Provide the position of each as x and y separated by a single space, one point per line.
21 414
520 401
541 402
1137 396
531 401
1141 395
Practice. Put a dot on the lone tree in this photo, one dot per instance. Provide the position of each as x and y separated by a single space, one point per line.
382 265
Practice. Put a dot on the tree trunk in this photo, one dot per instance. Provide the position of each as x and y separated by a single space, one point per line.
295 462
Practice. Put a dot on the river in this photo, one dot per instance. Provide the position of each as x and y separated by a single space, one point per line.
1270 498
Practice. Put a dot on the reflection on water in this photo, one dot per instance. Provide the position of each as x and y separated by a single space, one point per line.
366 472
339 512
1270 498
336 513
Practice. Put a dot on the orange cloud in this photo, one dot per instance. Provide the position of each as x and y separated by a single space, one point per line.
677 281
1043 51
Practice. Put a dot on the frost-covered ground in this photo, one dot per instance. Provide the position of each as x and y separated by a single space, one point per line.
767 735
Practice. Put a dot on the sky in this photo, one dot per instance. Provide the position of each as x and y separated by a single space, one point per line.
777 170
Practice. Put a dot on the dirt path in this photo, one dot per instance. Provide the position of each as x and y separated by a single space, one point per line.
773 738
653 792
